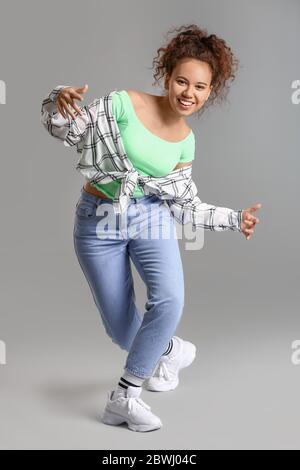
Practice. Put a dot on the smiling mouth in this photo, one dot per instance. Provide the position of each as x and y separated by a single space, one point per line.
185 104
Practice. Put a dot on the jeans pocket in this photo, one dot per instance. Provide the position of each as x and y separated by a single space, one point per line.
85 209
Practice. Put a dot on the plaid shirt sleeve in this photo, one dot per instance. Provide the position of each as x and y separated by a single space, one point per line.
187 207
206 216
70 131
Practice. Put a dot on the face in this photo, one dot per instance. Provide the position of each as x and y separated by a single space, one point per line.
190 81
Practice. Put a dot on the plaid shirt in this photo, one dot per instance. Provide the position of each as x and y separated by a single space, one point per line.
103 159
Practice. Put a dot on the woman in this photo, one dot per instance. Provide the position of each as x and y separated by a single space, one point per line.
197 69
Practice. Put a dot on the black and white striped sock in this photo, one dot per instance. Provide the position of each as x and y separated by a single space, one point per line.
169 348
128 380
173 347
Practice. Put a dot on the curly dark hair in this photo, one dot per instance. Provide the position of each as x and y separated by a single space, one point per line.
193 42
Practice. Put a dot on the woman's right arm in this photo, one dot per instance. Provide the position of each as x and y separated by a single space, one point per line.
59 120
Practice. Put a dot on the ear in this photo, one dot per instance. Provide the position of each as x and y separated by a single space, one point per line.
167 79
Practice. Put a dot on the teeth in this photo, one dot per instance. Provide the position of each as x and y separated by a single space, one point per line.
185 103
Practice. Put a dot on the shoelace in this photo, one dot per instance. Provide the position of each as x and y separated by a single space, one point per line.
162 370
133 400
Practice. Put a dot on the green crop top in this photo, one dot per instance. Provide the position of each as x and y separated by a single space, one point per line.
149 154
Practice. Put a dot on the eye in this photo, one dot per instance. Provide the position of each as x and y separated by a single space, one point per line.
199 87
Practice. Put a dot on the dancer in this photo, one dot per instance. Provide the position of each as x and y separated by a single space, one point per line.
197 69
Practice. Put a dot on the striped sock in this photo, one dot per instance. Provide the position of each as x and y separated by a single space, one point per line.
173 347
169 348
128 380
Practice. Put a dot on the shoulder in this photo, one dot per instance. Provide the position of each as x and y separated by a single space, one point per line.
119 106
139 98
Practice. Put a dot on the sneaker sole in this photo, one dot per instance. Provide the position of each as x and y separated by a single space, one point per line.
186 361
113 419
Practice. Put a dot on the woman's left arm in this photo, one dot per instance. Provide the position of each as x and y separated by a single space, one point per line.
248 220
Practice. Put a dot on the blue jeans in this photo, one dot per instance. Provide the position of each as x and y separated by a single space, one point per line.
104 243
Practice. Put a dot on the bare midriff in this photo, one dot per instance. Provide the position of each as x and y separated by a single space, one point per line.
90 189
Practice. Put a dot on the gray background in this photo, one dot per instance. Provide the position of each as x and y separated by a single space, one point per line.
242 297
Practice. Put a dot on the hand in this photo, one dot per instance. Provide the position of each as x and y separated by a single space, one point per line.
66 97
249 221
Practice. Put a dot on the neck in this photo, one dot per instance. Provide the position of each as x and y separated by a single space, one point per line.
168 115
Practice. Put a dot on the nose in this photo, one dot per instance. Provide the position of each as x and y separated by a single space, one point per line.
188 96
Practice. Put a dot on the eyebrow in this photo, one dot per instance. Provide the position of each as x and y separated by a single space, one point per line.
181 76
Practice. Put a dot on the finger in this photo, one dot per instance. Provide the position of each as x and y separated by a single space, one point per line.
82 89
255 207
60 110
248 226
66 108
247 214
74 105
248 222
77 108
70 112
76 95
249 217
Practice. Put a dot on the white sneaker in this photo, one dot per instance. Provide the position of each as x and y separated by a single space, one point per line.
126 406
165 375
